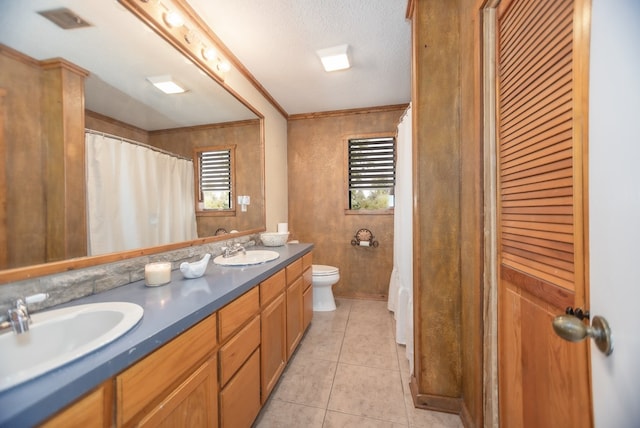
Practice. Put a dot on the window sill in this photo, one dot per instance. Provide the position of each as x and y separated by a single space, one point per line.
216 213
369 212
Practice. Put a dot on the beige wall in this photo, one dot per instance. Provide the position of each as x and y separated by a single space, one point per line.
317 199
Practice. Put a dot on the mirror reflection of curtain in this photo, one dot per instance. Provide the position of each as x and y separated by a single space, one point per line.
136 197
401 283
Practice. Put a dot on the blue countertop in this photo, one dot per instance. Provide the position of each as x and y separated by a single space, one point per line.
169 310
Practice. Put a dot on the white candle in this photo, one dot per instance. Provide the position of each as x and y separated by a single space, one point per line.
283 227
158 273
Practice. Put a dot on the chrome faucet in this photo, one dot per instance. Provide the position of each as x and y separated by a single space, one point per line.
233 250
19 318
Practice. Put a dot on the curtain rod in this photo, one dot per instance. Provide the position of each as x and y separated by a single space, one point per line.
137 143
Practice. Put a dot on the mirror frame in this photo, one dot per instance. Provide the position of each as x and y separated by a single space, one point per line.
176 37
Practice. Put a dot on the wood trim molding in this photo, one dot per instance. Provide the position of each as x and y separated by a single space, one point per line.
434 402
346 112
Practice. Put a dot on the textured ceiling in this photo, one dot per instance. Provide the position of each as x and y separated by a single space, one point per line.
277 40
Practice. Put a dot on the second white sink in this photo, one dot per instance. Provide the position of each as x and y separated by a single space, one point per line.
59 336
252 257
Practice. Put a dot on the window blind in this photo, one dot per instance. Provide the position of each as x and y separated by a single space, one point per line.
372 163
215 171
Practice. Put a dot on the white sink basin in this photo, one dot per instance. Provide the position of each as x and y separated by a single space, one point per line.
59 336
252 257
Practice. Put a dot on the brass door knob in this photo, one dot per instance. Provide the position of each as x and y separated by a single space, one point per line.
570 328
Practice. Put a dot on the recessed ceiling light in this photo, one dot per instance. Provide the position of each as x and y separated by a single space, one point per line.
166 84
335 58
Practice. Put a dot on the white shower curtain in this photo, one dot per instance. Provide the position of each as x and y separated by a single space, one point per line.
401 283
136 197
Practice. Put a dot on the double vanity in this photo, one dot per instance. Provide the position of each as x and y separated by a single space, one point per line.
207 351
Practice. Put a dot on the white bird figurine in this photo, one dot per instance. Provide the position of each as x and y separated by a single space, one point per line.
195 269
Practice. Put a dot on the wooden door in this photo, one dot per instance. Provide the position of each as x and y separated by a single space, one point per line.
541 97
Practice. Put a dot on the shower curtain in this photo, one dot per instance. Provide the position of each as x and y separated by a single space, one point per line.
136 197
401 283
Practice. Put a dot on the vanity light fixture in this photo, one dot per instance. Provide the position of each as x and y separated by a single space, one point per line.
223 66
209 54
166 84
173 19
335 58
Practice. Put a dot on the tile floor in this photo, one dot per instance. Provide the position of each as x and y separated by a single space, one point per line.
348 372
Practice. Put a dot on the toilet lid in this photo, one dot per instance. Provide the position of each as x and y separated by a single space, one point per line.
323 270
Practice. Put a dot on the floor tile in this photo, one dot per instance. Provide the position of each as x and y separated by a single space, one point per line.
371 392
306 381
343 420
280 414
349 372
369 349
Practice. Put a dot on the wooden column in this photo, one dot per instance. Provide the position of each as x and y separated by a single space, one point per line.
437 222
4 250
64 164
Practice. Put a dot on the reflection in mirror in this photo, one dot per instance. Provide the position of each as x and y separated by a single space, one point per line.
55 85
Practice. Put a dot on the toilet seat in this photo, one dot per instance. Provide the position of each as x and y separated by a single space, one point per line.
323 270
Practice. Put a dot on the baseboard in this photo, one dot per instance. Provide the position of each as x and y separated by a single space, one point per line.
434 402
465 416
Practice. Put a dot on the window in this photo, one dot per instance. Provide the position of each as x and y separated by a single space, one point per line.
215 178
371 173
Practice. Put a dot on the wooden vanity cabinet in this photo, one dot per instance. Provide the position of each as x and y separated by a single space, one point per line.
218 373
239 330
175 385
93 410
273 348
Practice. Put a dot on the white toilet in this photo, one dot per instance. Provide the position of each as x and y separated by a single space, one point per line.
323 279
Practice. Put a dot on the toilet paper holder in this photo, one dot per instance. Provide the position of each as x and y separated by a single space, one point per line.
364 238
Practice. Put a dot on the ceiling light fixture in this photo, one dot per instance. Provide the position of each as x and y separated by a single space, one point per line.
166 84
335 58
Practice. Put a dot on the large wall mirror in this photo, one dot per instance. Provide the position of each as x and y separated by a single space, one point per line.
98 78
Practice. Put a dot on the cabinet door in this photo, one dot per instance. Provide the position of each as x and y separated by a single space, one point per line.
192 404
273 352
240 399
150 380
294 315
93 410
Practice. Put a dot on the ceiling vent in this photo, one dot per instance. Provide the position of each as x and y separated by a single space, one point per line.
64 18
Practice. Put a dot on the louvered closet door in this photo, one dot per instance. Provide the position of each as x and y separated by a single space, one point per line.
544 381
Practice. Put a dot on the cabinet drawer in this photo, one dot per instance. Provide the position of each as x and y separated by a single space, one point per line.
271 287
238 312
145 381
294 271
240 399
307 261
235 352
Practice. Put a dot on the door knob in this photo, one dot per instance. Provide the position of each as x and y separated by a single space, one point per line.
570 328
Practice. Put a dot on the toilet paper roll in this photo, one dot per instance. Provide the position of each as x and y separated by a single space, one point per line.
365 243
283 227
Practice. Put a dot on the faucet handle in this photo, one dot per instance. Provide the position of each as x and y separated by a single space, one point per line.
19 319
